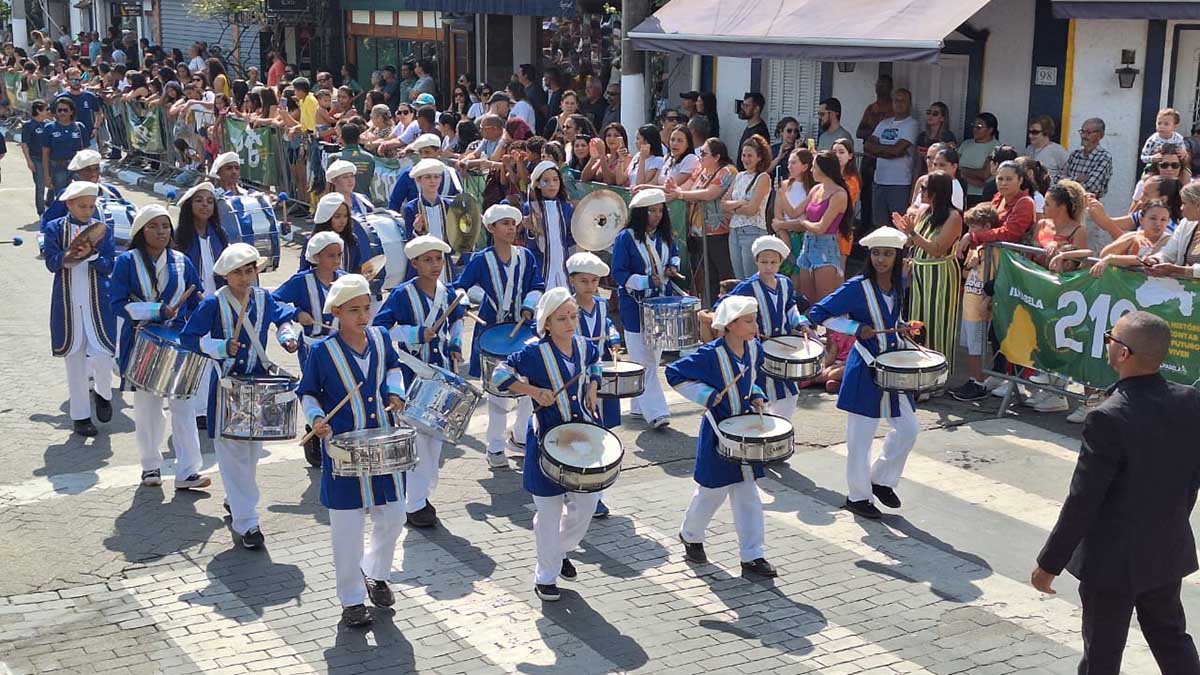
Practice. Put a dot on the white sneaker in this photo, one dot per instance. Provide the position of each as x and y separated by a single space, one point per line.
1002 390
1077 416
497 460
1036 399
661 422
1052 404
1040 378
992 382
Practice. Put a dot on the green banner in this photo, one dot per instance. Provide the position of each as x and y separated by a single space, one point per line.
1056 323
145 129
255 147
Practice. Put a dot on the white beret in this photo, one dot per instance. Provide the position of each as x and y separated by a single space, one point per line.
319 242
223 159
733 308
426 141
206 186
328 206
648 197
586 263
340 168
884 237
427 167
540 169
424 244
145 215
79 188
769 242
498 212
236 256
550 301
83 159
346 288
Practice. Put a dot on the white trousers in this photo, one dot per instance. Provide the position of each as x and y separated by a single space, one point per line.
84 361
238 463
652 404
747 516
558 527
422 480
350 562
150 425
497 431
200 400
860 432
784 407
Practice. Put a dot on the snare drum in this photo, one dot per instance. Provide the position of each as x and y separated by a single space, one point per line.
494 347
257 407
671 324
911 371
385 230
442 405
623 379
119 215
375 452
581 457
160 364
792 358
751 438
251 219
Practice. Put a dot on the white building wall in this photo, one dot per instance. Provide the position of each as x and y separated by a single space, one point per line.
732 83
1007 63
855 91
1095 93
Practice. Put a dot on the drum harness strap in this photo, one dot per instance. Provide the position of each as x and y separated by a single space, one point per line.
316 301
655 263
877 321
735 397
250 326
426 319
515 268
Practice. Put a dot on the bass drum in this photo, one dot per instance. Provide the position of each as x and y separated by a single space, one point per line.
119 215
385 232
251 219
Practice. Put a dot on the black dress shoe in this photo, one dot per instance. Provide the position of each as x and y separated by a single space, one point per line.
103 408
887 496
379 592
429 505
84 428
423 517
225 505
312 449
253 539
547 592
202 423
356 616
863 508
760 567
568 570
694 552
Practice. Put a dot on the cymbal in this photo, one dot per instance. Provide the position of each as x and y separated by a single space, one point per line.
371 267
93 233
599 218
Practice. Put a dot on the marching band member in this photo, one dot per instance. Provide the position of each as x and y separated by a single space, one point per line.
81 319
409 315
333 215
777 312
863 307
357 354
547 223
227 169
427 146
200 236
149 284
732 364
548 366
85 166
339 176
426 214
512 285
644 258
210 329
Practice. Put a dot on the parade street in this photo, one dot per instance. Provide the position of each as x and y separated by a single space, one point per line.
101 575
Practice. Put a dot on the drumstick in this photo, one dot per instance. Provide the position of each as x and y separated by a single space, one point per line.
562 388
237 328
516 327
729 386
183 299
331 413
437 325
475 318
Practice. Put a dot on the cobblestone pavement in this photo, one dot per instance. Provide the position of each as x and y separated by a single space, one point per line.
101 575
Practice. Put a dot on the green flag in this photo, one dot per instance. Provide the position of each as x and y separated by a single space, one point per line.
255 147
145 128
1056 323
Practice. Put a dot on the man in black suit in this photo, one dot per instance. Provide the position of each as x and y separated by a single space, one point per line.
1123 530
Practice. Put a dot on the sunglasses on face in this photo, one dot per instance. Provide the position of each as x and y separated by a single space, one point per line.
403 112
1035 132
791 131
703 153
933 113
979 125
1109 338
63 110
1086 132
1169 165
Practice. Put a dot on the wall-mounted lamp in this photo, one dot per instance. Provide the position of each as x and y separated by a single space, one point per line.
845 66
1126 74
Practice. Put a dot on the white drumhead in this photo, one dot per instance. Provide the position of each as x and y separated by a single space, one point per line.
911 358
582 446
755 426
621 367
794 347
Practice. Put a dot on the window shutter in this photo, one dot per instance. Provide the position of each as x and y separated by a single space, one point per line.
793 89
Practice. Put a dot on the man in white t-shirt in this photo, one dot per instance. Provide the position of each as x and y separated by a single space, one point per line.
892 145
521 107
196 64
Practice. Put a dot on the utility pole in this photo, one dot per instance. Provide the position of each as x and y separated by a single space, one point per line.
19 28
633 66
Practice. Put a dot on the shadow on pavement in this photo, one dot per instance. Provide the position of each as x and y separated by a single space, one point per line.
352 653
152 527
574 614
254 581
625 531
954 584
761 610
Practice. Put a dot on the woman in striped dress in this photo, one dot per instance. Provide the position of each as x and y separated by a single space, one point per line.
935 275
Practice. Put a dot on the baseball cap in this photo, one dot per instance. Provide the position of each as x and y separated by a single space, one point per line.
693 95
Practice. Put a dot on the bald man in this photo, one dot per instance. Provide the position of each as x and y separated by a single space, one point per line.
1123 530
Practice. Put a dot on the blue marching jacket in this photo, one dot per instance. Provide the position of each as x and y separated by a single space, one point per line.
536 243
543 365
135 280
352 256
214 243
631 269
595 324
859 302
306 293
778 315
699 377
410 211
59 234
524 288
408 311
57 208
330 373
405 190
212 324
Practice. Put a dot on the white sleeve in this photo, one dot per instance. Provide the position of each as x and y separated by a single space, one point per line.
312 408
214 347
